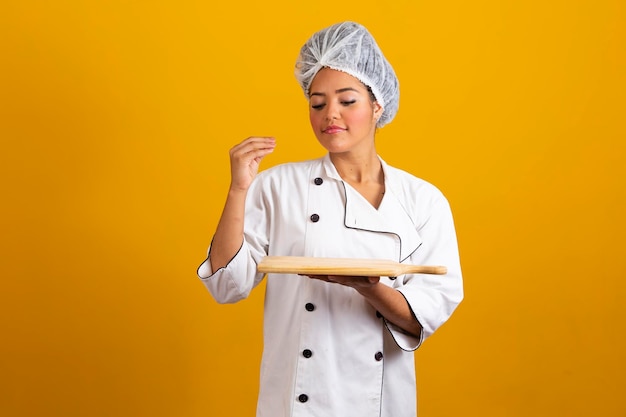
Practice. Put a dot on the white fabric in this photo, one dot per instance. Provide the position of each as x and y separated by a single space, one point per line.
342 377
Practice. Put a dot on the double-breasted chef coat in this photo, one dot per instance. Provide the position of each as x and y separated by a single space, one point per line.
327 352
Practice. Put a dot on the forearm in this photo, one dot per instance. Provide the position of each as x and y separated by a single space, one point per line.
392 305
228 236
244 164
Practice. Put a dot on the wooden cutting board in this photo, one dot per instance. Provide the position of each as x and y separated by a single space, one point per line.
304 265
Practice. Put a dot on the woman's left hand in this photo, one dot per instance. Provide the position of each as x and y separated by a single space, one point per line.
356 282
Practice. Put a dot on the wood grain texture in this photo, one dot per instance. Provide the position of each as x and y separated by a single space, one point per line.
303 265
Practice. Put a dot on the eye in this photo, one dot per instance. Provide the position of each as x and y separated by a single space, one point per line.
317 106
348 102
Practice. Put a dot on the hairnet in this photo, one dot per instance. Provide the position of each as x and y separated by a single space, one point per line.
350 48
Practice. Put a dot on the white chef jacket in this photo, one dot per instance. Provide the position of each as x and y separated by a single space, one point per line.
327 352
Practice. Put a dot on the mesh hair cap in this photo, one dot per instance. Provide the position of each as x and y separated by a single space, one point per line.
350 48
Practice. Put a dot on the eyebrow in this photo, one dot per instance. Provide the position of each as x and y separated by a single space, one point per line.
341 90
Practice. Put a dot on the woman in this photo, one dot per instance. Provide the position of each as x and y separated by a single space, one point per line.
336 345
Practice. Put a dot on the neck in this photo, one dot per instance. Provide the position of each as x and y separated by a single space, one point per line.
358 169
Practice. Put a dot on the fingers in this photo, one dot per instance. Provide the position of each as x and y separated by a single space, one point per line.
253 146
252 150
245 158
349 281
318 277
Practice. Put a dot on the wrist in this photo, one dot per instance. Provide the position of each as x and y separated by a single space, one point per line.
235 191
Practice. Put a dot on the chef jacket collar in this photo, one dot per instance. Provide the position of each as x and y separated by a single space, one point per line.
390 217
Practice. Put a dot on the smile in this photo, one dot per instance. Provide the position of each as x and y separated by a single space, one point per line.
333 129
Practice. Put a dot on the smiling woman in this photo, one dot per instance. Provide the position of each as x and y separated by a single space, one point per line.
348 341
344 117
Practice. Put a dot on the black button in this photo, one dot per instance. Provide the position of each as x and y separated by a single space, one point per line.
378 356
315 218
380 316
307 353
318 181
309 306
303 398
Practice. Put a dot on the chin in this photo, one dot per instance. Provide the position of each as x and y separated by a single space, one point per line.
336 149
335 146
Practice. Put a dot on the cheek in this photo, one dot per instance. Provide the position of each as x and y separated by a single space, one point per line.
360 118
314 118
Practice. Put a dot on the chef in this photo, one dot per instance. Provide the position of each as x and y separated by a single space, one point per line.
337 345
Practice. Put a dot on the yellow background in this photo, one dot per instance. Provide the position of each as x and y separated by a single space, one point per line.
116 118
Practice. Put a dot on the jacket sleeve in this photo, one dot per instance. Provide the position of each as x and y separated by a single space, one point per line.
234 282
432 298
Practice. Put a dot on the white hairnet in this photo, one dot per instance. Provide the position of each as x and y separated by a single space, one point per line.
350 48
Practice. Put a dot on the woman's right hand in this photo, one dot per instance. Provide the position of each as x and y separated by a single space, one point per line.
245 159
244 166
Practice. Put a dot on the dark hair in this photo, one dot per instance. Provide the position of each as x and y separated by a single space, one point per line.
371 93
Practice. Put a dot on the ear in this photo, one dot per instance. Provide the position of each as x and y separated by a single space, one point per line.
378 110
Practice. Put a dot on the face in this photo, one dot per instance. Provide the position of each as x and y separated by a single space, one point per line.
342 114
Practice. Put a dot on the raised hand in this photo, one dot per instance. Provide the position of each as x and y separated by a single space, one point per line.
245 158
244 166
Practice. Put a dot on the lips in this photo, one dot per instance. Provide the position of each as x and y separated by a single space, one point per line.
333 129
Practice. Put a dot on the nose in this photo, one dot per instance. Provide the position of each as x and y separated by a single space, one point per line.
332 111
